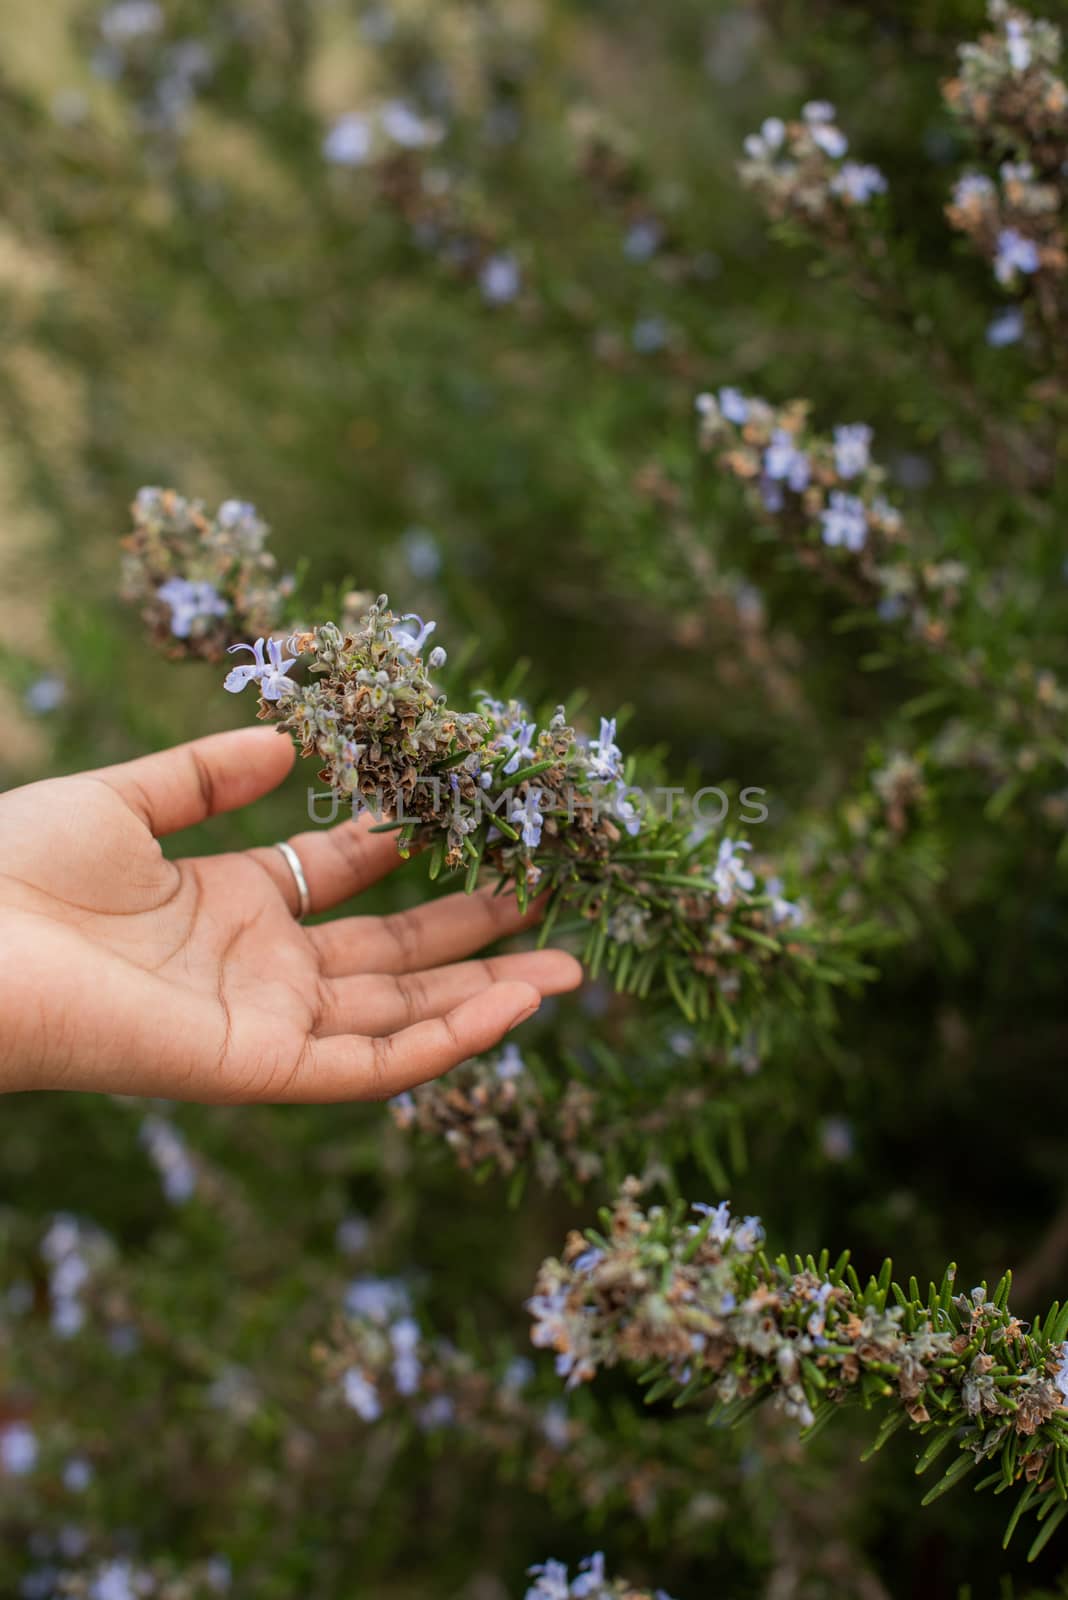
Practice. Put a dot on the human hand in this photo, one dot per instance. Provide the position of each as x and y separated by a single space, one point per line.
125 972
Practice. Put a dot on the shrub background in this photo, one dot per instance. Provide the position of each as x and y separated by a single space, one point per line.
215 305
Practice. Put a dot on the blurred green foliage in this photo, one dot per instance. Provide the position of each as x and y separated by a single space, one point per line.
202 299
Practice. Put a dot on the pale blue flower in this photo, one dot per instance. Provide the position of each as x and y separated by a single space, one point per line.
643 239
605 760
517 1375
131 19
555 1427
361 1394
406 127
552 1582
852 448
348 143
1015 253
116 1580
973 188
510 1063
592 1577
352 1235
439 1412
45 694
626 812
1018 44
190 602
719 1220
845 521
270 674
734 406
516 736
407 1368
831 140
784 462
648 335
499 279
1006 328
170 1157
858 181
18 1449
730 874
411 640
527 814
817 111
77 1475
377 1299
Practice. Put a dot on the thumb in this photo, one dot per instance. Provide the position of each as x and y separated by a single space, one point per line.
180 787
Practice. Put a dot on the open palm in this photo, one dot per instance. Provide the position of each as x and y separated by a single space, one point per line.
127 972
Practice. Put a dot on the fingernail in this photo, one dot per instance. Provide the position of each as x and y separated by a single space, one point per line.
523 1015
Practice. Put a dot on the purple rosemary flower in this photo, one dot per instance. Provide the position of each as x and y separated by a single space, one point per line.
817 111
734 406
510 1063
1018 44
377 1299
189 603
852 452
45 694
845 522
410 641
515 736
784 462
361 1394
407 1368
592 1577
606 758
552 1582
348 143
528 813
270 674
499 279
858 181
1015 253
18 1449
730 872
831 140
1006 328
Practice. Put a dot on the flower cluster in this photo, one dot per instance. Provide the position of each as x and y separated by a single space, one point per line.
544 808
201 581
120 1578
1009 86
161 69
803 170
1016 223
427 1383
72 1251
497 1114
591 1582
825 494
700 1309
357 137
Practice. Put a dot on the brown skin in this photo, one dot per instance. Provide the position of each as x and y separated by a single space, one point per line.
124 972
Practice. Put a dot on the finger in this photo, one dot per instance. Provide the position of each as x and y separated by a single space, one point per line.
426 936
338 862
382 1004
350 1068
177 788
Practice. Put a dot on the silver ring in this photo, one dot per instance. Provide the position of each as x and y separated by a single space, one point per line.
293 862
